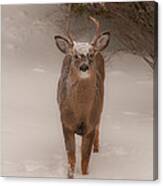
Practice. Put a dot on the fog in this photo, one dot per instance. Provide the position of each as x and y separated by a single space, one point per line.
32 139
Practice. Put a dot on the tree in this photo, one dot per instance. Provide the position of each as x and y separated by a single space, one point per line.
133 24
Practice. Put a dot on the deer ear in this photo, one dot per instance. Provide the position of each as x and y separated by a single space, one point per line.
102 41
63 44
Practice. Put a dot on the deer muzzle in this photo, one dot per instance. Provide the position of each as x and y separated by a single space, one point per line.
84 67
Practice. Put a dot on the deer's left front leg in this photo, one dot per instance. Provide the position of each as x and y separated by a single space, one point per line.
86 148
96 141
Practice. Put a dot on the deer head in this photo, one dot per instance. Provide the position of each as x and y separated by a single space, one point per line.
82 53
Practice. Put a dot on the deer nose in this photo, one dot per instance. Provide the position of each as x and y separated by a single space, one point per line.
84 67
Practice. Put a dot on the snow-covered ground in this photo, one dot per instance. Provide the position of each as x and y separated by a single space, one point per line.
32 139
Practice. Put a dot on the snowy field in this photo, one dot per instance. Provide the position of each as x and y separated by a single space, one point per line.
32 139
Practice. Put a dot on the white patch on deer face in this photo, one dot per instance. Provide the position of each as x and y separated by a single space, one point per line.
84 75
82 47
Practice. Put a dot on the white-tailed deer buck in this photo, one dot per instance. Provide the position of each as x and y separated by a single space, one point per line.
81 93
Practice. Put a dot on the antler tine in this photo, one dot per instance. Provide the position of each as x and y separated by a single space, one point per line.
68 25
96 22
68 33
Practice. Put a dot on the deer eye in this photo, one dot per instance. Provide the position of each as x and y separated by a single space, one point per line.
90 56
76 56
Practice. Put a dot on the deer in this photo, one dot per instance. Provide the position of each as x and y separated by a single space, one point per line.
80 94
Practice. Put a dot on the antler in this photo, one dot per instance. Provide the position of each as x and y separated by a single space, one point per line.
68 33
96 22
68 25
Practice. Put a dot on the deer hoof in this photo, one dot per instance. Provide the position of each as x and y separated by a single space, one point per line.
95 149
70 173
70 176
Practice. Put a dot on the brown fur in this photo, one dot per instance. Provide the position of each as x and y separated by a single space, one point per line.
81 102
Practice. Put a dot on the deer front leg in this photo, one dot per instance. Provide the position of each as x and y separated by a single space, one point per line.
69 137
96 141
86 148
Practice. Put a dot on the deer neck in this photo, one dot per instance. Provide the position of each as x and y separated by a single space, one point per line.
81 92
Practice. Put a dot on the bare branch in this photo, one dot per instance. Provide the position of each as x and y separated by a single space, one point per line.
150 63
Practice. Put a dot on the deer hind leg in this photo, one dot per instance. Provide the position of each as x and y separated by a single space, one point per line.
96 141
70 148
86 148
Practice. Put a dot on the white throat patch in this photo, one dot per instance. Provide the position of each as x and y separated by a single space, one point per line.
82 47
84 75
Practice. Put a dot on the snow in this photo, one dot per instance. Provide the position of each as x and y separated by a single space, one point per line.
32 138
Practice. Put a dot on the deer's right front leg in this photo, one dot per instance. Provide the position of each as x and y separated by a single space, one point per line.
96 141
69 138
